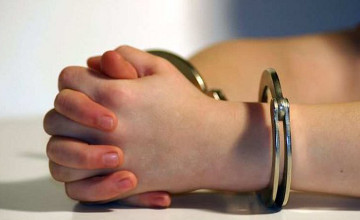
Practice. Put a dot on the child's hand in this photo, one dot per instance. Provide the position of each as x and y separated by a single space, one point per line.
159 119
114 66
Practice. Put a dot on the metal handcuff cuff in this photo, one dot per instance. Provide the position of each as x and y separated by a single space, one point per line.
190 72
276 195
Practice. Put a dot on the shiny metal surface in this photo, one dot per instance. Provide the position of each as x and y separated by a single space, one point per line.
277 195
190 72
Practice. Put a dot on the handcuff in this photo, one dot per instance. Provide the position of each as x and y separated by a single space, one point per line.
190 72
276 195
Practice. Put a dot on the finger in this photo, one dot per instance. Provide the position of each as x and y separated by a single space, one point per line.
101 189
80 108
115 66
72 153
66 174
149 199
59 125
81 79
95 85
94 63
144 63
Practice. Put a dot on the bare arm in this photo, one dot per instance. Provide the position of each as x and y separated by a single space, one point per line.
329 138
326 149
315 69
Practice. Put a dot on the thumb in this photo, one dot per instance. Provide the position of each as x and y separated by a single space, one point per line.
115 66
144 63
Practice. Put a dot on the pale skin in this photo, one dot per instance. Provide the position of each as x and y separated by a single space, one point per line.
154 111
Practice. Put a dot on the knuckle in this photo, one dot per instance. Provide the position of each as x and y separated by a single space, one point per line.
122 48
83 159
48 122
163 64
107 54
57 172
51 148
114 94
70 192
158 62
65 76
117 91
63 101
64 153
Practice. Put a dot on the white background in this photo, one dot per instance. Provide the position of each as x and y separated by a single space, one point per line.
39 38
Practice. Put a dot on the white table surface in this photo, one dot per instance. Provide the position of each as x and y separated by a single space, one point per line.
28 192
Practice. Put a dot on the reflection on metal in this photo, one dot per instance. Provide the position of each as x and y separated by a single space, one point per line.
190 72
277 195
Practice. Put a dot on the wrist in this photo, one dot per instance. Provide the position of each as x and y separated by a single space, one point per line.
244 161
242 152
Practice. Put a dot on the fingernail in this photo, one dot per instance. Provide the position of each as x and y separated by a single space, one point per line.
106 122
111 159
124 184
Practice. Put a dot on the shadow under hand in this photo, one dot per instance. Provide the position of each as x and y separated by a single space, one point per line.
45 195
299 200
229 203
248 203
38 195
107 207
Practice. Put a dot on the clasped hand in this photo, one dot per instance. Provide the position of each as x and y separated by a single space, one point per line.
128 128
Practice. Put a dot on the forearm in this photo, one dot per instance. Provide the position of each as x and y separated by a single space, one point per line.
325 142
